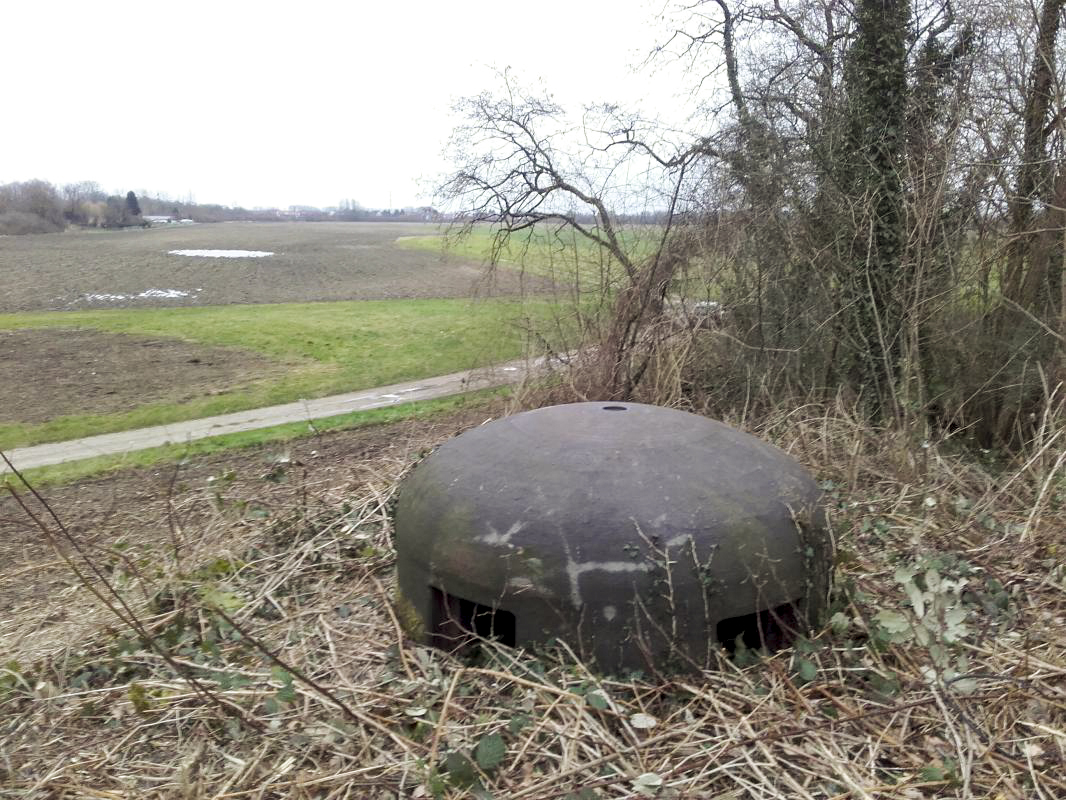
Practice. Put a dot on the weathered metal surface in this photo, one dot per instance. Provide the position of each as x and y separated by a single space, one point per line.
630 531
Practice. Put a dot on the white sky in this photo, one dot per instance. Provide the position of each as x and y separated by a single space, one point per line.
264 103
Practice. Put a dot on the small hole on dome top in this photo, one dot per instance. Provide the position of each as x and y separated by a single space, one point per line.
614 408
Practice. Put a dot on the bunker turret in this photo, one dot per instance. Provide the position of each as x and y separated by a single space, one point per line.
642 536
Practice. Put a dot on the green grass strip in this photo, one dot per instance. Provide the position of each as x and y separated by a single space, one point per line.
325 349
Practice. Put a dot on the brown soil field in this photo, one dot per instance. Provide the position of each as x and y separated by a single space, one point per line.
51 372
81 270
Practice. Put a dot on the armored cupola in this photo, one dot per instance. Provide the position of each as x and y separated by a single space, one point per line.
642 536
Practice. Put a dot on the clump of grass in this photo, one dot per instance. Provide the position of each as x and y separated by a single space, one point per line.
940 674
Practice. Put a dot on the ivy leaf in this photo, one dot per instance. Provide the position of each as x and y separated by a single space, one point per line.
490 752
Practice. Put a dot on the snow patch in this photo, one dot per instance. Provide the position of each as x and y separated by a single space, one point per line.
166 294
221 253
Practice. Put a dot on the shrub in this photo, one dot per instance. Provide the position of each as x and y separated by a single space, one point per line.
15 223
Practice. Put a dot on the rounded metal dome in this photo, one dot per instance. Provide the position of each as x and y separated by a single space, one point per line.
642 536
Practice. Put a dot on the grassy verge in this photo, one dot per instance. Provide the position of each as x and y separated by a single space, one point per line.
327 348
570 259
560 255
76 470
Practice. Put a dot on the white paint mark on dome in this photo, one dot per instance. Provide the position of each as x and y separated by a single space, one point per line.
221 253
495 537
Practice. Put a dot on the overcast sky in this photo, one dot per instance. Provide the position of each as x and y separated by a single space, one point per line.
274 104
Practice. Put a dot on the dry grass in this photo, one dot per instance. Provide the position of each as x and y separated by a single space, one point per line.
277 667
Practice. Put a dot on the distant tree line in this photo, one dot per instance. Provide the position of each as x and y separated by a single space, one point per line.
38 206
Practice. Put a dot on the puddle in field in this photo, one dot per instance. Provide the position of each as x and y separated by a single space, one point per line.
221 253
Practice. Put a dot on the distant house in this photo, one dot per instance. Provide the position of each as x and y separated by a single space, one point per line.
301 212
158 219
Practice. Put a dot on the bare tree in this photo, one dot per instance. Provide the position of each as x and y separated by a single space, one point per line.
881 182
523 166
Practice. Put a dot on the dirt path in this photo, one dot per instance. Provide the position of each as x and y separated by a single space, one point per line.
43 455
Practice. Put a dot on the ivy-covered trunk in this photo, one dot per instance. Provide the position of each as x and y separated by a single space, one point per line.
873 283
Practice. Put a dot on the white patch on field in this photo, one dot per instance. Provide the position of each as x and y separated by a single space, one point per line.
168 293
147 294
221 253
104 298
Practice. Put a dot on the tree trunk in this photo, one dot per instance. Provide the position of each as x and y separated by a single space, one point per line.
874 287
1032 173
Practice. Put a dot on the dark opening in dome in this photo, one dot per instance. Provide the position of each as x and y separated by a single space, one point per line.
773 628
457 622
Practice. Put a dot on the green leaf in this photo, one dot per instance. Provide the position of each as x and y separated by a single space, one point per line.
218 598
933 773
518 723
954 622
895 624
648 783
460 770
490 752
807 670
917 598
281 675
138 697
840 623
286 694
597 700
